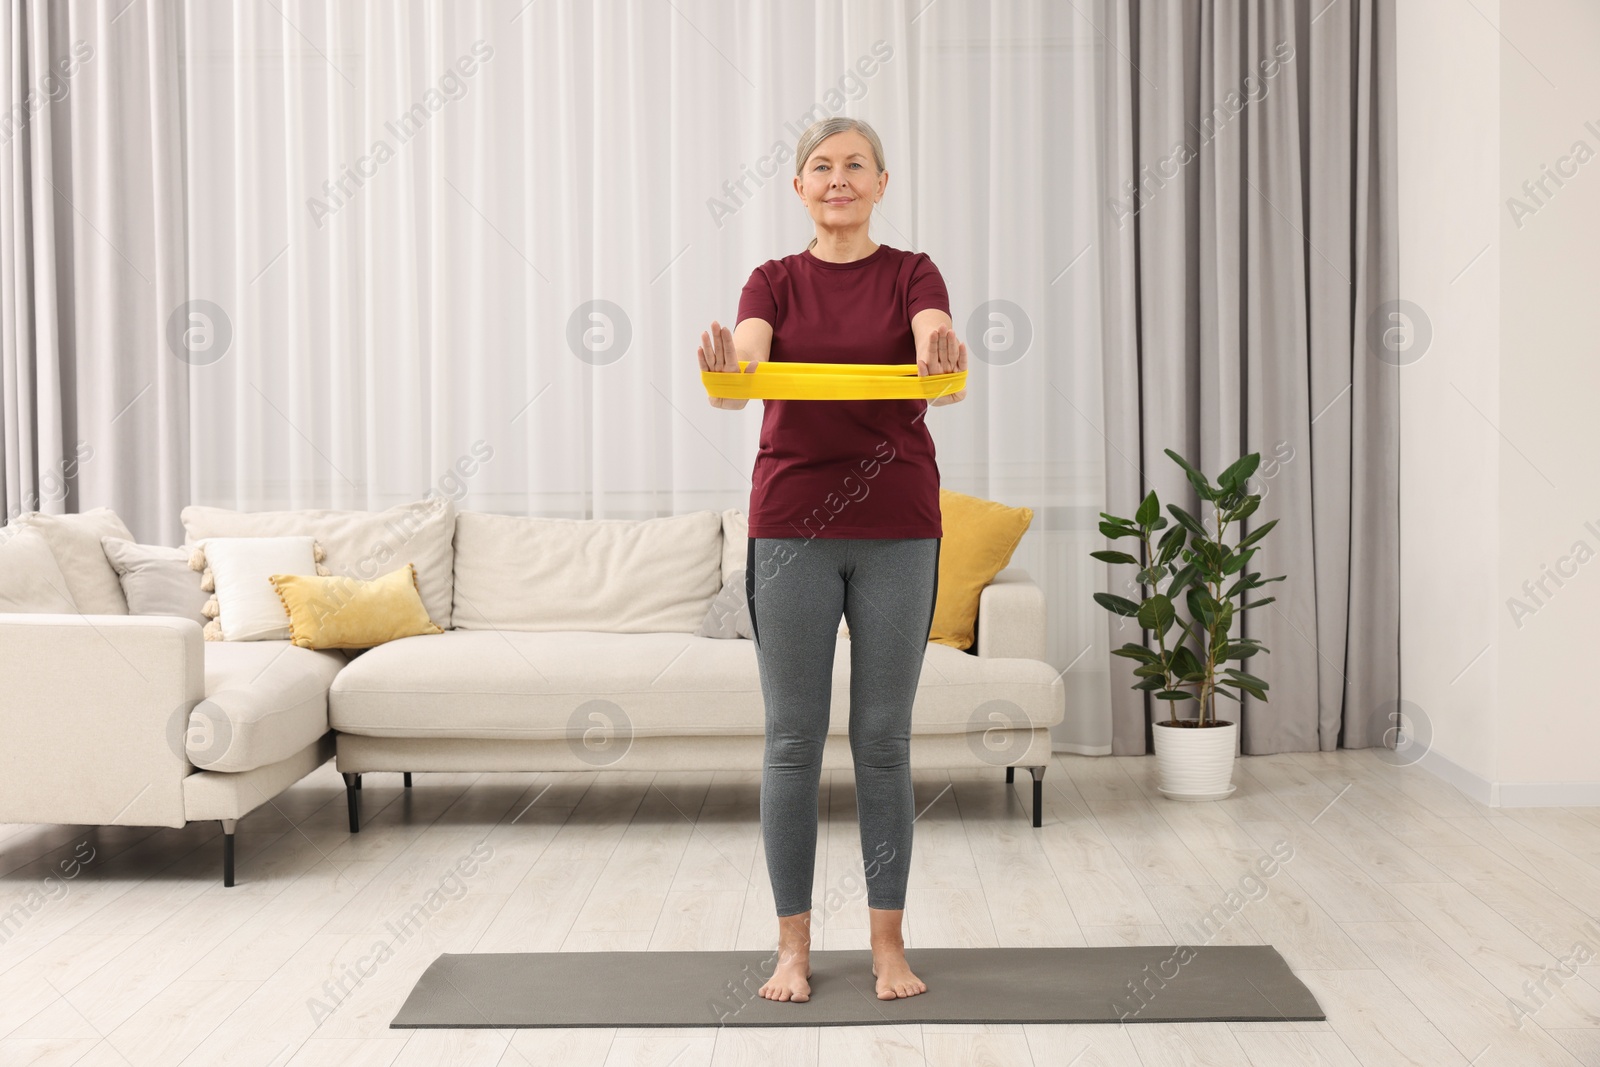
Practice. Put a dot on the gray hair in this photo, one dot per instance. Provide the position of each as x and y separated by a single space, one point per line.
820 131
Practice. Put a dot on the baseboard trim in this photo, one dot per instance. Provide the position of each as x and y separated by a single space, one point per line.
1082 750
1511 794
1492 794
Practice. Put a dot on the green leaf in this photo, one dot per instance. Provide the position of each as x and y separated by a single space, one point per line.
1176 694
1188 521
1157 614
1244 509
1150 670
1259 603
1116 519
1170 543
1151 575
1114 532
1201 605
1224 693
1133 650
1239 471
1187 666
1180 461
1150 684
1243 687
1183 577
1206 490
1257 534
1117 604
1232 564
1111 555
1245 677
1148 509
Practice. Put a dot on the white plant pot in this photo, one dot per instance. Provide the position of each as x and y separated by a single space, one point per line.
1196 763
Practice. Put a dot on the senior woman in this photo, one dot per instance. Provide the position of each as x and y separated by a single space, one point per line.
844 519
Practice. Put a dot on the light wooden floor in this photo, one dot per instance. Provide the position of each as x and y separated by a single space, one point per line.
1414 915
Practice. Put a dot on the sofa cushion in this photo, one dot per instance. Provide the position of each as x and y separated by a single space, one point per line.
728 618
75 541
529 685
358 544
612 575
156 580
735 533
30 578
265 701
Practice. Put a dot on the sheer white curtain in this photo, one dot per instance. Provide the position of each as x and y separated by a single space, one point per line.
470 248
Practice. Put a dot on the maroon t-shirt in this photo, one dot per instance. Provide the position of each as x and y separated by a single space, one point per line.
844 468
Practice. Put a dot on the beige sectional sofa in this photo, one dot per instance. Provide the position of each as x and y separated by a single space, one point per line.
569 645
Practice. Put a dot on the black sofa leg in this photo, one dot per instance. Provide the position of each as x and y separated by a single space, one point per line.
408 779
352 782
1011 775
1038 795
228 827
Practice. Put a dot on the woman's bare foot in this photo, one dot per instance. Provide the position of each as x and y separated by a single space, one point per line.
789 977
889 964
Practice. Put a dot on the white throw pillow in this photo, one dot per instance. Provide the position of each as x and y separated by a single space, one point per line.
75 541
248 606
30 578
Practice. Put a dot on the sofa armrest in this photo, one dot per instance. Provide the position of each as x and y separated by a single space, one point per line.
1011 617
93 714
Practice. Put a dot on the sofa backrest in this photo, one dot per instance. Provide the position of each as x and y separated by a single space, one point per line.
615 575
357 544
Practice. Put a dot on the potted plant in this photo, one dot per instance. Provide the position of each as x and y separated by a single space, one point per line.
1193 565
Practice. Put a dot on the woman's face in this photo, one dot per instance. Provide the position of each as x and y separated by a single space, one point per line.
840 182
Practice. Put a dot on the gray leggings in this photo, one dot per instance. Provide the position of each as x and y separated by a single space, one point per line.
796 588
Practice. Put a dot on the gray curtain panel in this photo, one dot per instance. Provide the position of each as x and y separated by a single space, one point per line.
93 399
1253 218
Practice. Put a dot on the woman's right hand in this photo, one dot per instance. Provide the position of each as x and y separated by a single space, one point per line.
717 354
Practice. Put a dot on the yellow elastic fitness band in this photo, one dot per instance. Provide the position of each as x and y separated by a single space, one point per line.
830 381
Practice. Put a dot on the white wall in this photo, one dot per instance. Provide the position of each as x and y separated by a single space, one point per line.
1549 395
1497 471
1448 137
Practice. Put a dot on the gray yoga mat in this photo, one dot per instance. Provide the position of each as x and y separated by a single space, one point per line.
1223 983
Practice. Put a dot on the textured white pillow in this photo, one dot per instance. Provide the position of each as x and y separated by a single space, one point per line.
30 578
74 539
249 608
157 580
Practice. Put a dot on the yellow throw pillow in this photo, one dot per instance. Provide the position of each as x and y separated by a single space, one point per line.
344 612
979 537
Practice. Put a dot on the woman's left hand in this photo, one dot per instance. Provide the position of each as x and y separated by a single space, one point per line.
946 355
